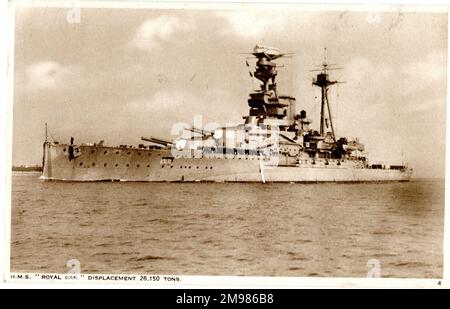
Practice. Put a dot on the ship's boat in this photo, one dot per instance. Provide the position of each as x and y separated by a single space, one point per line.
273 144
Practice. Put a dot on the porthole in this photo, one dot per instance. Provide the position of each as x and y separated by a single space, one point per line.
189 167
210 167
137 165
117 152
171 166
93 164
81 163
128 165
149 153
129 153
117 165
139 153
198 167
206 167
148 165
64 149
105 152
104 164
92 151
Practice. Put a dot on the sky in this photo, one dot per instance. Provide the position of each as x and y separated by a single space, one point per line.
119 74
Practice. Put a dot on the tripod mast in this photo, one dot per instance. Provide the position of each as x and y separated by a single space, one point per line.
322 80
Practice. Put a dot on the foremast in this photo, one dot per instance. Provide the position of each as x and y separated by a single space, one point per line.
266 104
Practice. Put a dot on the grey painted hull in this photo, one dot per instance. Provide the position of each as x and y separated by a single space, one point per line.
99 163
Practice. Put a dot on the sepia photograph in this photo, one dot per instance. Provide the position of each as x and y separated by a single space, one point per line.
154 142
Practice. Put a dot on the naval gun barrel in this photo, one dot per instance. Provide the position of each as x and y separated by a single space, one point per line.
199 131
156 141
216 134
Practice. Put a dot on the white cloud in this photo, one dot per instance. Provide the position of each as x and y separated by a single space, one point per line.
374 17
167 107
437 105
157 30
254 24
364 71
161 101
47 75
180 101
432 69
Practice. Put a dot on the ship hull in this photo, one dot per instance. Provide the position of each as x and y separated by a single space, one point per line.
100 163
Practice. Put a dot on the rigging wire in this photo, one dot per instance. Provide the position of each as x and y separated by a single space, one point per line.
329 115
337 106
48 134
313 112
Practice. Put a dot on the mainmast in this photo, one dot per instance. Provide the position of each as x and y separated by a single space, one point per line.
46 133
322 80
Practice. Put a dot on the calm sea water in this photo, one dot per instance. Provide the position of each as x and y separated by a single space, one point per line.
328 230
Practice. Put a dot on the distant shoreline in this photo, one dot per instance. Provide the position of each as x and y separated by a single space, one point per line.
27 168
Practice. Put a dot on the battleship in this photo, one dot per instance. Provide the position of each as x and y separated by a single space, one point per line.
273 143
